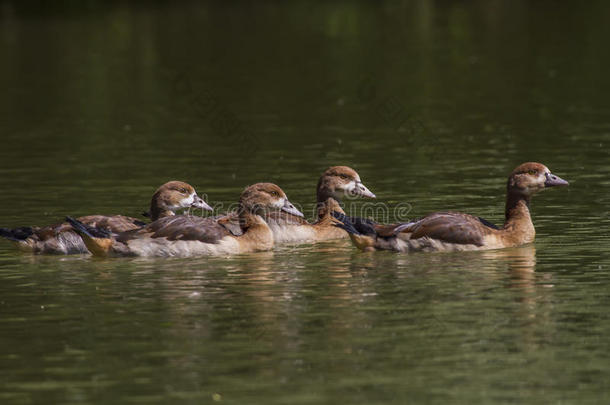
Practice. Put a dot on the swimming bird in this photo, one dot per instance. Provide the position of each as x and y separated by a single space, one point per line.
188 236
452 231
60 238
336 183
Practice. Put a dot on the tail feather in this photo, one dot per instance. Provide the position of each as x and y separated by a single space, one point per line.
98 241
361 230
90 231
17 234
354 225
343 222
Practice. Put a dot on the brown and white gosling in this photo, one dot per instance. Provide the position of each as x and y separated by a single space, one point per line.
61 239
454 231
335 183
189 236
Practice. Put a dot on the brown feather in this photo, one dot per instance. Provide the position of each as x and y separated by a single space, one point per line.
179 227
231 223
449 227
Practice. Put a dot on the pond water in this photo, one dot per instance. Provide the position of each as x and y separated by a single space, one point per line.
433 102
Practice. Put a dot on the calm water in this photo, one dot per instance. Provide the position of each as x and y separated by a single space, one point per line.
433 103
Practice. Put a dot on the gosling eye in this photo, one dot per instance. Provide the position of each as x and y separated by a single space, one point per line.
532 172
183 191
275 194
344 176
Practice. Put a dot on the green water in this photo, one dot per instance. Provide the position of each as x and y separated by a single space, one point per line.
433 103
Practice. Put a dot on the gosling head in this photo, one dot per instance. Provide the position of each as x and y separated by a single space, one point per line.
175 195
530 178
264 198
340 181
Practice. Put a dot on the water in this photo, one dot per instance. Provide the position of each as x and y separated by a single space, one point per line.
433 103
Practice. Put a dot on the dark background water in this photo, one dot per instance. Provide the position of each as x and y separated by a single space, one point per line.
433 102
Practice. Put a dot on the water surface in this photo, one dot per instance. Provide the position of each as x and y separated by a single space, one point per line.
434 103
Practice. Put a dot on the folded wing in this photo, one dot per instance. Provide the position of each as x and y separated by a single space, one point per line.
180 227
450 227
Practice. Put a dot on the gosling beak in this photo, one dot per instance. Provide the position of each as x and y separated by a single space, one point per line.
289 208
360 190
552 181
199 203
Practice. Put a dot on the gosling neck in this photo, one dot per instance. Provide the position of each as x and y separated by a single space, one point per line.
518 221
327 204
257 233
249 219
325 191
158 210
517 207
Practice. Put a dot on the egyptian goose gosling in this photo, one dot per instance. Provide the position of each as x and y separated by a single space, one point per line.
60 238
334 184
452 231
188 236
